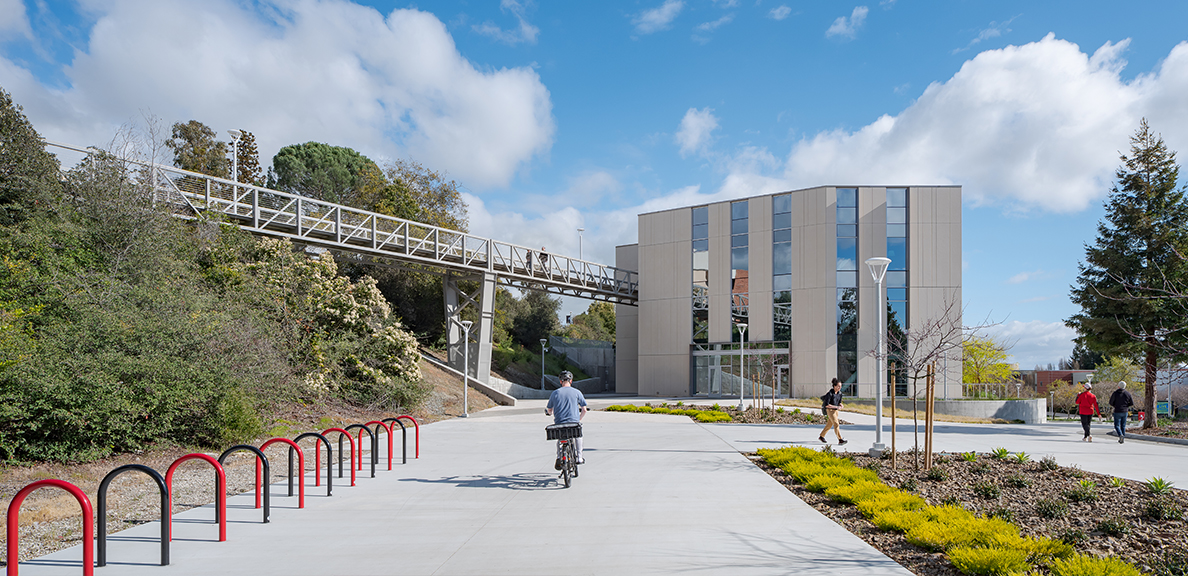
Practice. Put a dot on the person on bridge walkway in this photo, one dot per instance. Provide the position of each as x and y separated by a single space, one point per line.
1121 400
831 402
1087 407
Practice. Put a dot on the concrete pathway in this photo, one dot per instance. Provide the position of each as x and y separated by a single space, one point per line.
659 495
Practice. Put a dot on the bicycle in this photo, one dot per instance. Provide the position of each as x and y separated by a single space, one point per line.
564 434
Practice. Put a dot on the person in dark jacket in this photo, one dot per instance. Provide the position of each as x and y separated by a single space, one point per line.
1121 400
831 402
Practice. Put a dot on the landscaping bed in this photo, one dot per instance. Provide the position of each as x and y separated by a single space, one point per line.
730 414
1097 515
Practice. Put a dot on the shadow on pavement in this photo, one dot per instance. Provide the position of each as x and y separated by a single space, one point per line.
513 482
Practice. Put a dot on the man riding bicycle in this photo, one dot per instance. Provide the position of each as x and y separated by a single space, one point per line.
567 404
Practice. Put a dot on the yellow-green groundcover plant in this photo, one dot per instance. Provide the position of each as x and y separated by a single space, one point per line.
698 415
975 545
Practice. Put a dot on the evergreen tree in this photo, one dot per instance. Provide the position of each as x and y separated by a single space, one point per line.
248 160
28 174
1122 286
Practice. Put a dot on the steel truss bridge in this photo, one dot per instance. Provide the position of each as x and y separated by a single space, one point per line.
369 237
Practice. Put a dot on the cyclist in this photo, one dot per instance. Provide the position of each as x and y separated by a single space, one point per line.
567 404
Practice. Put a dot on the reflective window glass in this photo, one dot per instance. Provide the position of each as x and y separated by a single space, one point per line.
781 282
738 210
847 215
701 231
897 294
738 258
782 296
847 197
782 203
738 226
897 252
700 245
897 230
897 197
779 221
701 262
847 230
847 279
781 236
897 314
897 215
847 254
738 240
781 258
701 215
895 279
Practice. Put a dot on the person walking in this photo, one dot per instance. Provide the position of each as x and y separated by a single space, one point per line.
831 402
1121 400
1087 407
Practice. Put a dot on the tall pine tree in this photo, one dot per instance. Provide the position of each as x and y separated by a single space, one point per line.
1122 287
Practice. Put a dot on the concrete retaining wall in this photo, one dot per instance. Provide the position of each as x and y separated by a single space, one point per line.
1030 411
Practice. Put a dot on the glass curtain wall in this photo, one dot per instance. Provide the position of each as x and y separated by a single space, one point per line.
847 289
897 272
701 274
781 266
739 259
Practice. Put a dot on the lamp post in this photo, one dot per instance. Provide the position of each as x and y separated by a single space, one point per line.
742 359
543 349
466 324
235 136
580 230
878 268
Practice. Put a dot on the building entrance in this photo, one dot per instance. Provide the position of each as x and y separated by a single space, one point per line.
723 369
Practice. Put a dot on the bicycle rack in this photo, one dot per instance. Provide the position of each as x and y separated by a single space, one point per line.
260 457
14 532
293 447
156 476
403 441
318 460
351 439
417 428
374 446
220 492
381 426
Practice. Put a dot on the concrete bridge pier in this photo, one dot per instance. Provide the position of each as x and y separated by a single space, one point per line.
483 300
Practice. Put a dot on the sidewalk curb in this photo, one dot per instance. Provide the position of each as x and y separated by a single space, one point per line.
1160 439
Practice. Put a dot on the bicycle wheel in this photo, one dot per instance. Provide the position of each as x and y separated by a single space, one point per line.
573 457
566 462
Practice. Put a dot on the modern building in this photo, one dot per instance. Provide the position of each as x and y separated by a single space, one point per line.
790 268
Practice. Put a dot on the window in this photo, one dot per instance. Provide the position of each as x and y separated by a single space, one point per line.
739 266
701 274
847 288
781 266
896 279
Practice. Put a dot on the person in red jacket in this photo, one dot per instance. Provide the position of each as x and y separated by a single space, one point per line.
1087 407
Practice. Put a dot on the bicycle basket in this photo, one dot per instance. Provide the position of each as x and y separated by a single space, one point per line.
564 431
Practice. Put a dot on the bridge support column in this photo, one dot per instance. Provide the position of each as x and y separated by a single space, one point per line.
483 300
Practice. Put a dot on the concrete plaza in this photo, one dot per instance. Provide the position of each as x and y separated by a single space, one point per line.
659 494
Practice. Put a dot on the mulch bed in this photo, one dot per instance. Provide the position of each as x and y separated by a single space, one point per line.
1020 486
751 415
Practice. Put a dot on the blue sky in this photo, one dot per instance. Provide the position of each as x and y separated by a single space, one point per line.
559 115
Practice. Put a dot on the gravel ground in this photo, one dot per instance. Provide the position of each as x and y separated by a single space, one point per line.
1013 489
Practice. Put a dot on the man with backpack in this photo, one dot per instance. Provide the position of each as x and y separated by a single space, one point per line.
831 402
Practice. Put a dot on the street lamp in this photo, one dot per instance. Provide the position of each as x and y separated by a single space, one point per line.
878 268
580 230
742 341
235 136
543 349
466 324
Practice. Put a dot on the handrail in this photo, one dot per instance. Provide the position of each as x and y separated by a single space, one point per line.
293 447
220 492
14 531
417 429
260 457
102 501
317 460
354 452
374 446
403 441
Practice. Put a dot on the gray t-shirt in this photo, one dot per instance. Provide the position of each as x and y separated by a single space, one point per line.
565 402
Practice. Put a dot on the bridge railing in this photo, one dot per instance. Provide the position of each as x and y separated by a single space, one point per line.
272 212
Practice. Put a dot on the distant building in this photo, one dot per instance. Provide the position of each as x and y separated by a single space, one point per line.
790 266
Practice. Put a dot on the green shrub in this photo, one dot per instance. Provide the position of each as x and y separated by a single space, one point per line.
858 491
987 490
970 456
1162 508
1170 563
1049 463
1022 458
938 474
1073 536
898 520
1159 486
1117 482
963 530
822 482
1086 491
1049 508
1082 565
709 416
1017 481
1044 550
1002 513
980 468
910 485
890 501
1000 453
989 561
1114 526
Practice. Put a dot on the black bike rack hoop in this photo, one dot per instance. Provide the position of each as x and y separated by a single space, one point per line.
403 438
329 459
260 486
374 445
160 480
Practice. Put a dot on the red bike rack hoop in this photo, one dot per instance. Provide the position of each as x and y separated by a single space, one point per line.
381 426
403 437
417 429
14 532
354 452
220 491
293 447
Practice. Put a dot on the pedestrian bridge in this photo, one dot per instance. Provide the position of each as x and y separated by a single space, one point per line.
369 237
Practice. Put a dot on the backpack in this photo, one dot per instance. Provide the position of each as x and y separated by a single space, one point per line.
824 403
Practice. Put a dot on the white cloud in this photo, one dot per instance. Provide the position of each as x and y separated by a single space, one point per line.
995 30
1036 342
659 18
322 70
1023 277
779 12
14 21
696 128
714 25
848 27
526 32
